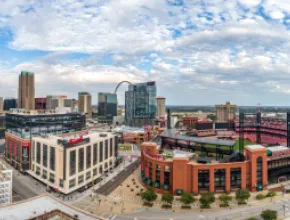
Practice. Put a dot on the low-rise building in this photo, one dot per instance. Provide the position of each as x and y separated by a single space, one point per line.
67 164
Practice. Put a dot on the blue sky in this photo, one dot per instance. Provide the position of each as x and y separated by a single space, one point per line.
198 52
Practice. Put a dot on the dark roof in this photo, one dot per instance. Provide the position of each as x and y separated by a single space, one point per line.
171 133
234 157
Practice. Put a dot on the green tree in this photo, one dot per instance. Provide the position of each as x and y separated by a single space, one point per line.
187 198
242 195
225 199
269 214
167 198
206 200
149 195
211 117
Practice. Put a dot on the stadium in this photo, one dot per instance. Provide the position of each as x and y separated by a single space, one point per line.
253 155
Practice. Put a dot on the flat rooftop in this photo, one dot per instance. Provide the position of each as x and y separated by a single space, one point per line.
255 146
171 133
93 135
37 206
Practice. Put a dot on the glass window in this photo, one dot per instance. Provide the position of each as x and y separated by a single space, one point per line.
81 159
80 179
88 175
203 179
37 170
101 151
106 150
60 182
95 154
72 183
95 171
111 147
44 174
52 158
38 153
259 170
236 177
51 177
72 163
220 178
44 157
88 156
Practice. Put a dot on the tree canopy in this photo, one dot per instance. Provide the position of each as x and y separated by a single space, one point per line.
269 214
242 195
149 195
206 199
187 198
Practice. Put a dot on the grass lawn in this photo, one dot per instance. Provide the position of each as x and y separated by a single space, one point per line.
236 147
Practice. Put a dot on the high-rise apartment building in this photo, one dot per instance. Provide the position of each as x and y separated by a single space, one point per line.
160 106
26 91
107 105
85 103
10 103
225 113
61 101
140 104
1 104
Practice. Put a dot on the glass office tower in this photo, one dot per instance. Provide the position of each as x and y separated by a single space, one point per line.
140 104
107 106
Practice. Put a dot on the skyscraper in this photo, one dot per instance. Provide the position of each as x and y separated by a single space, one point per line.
85 103
1 104
26 91
140 104
160 106
10 103
225 113
107 105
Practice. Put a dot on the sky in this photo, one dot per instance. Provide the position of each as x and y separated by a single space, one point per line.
198 52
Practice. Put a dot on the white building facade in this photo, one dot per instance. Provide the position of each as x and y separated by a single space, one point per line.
68 164
5 185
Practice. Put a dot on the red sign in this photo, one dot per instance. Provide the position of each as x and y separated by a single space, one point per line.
10 146
25 145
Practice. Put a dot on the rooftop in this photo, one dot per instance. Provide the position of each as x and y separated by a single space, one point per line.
255 146
277 148
172 133
39 205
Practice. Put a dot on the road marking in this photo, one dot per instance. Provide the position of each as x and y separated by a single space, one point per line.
113 217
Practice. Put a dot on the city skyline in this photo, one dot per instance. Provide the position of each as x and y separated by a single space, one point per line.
236 51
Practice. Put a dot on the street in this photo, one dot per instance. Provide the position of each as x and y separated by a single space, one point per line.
117 180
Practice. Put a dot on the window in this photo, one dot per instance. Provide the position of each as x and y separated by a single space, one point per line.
72 183
51 177
259 170
72 164
106 150
60 182
37 170
95 171
95 154
101 151
52 158
157 173
38 153
236 177
44 157
88 156
33 151
220 178
81 159
116 146
88 175
150 170
203 179
44 174
101 170
81 179
111 147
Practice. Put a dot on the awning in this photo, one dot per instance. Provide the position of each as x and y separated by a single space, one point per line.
145 178
179 191
157 185
269 152
166 186
149 181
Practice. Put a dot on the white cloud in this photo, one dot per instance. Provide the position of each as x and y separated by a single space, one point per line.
250 3
277 15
